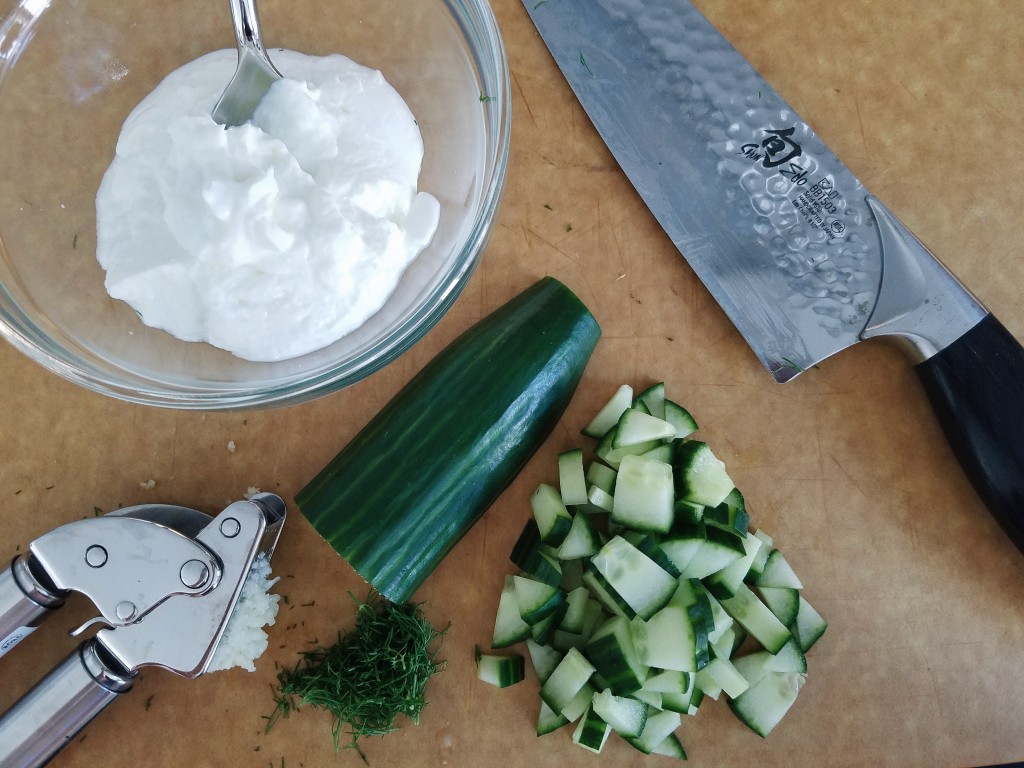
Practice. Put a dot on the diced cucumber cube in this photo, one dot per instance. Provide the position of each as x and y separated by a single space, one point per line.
809 626
726 676
612 456
614 656
670 747
700 475
509 627
679 418
566 680
637 579
592 732
544 659
766 702
572 482
664 453
544 630
532 556
667 640
548 720
635 427
644 495
501 671
668 681
579 703
654 398
606 596
778 573
755 617
651 698
536 600
576 606
757 567
725 582
657 728
553 519
731 515
582 540
648 544
789 659
602 476
609 414
784 602
625 715
717 551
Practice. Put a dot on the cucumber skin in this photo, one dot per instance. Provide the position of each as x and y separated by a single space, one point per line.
406 489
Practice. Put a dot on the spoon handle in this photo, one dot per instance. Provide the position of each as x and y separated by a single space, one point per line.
247 24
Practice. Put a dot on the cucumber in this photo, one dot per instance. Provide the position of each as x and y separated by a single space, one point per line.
412 482
566 680
579 703
625 715
670 747
592 732
757 567
784 602
725 582
501 671
778 573
582 540
572 481
755 617
809 626
509 627
602 476
700 475
609 414
536 600
679 418
614 656
667 640
658 727
544 659
635 427
766 702
644 497
576 608
653 399
549 721
731 515
612 456
553 519
533 558
634 577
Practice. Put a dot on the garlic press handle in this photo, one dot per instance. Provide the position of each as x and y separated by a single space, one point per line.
25 600
49 716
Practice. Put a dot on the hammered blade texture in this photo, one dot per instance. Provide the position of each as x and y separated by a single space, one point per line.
771 221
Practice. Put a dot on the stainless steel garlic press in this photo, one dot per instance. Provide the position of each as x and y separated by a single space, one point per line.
164 580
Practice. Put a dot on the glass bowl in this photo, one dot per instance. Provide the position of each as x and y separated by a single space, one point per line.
70 72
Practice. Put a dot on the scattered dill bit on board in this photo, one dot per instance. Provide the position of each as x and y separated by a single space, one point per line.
369 677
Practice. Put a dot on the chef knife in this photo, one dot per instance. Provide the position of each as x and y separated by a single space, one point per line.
802 258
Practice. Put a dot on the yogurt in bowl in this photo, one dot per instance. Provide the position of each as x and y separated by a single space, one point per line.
271 239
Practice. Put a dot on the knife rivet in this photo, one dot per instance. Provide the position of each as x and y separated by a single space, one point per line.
125 610
230 527
194 574
96 556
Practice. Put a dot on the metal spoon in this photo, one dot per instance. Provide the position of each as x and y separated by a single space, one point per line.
255 72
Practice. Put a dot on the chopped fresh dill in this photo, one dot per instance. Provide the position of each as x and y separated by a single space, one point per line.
484 98
369 677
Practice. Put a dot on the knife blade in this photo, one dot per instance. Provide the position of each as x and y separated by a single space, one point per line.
799 254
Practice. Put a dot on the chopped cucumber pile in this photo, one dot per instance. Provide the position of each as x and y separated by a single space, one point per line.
642 589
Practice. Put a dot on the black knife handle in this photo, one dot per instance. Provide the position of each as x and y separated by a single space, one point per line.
976 386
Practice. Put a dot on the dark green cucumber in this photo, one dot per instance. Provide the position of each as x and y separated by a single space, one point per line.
419 475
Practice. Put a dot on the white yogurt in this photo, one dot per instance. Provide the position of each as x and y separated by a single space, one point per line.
275 238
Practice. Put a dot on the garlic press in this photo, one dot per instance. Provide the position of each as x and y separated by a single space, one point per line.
164 580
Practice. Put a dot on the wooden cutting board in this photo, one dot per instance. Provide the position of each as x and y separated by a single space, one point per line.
923 662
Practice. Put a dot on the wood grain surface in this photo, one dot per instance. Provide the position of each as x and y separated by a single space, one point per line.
923 662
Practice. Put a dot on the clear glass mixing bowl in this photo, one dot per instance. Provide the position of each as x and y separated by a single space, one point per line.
72 70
